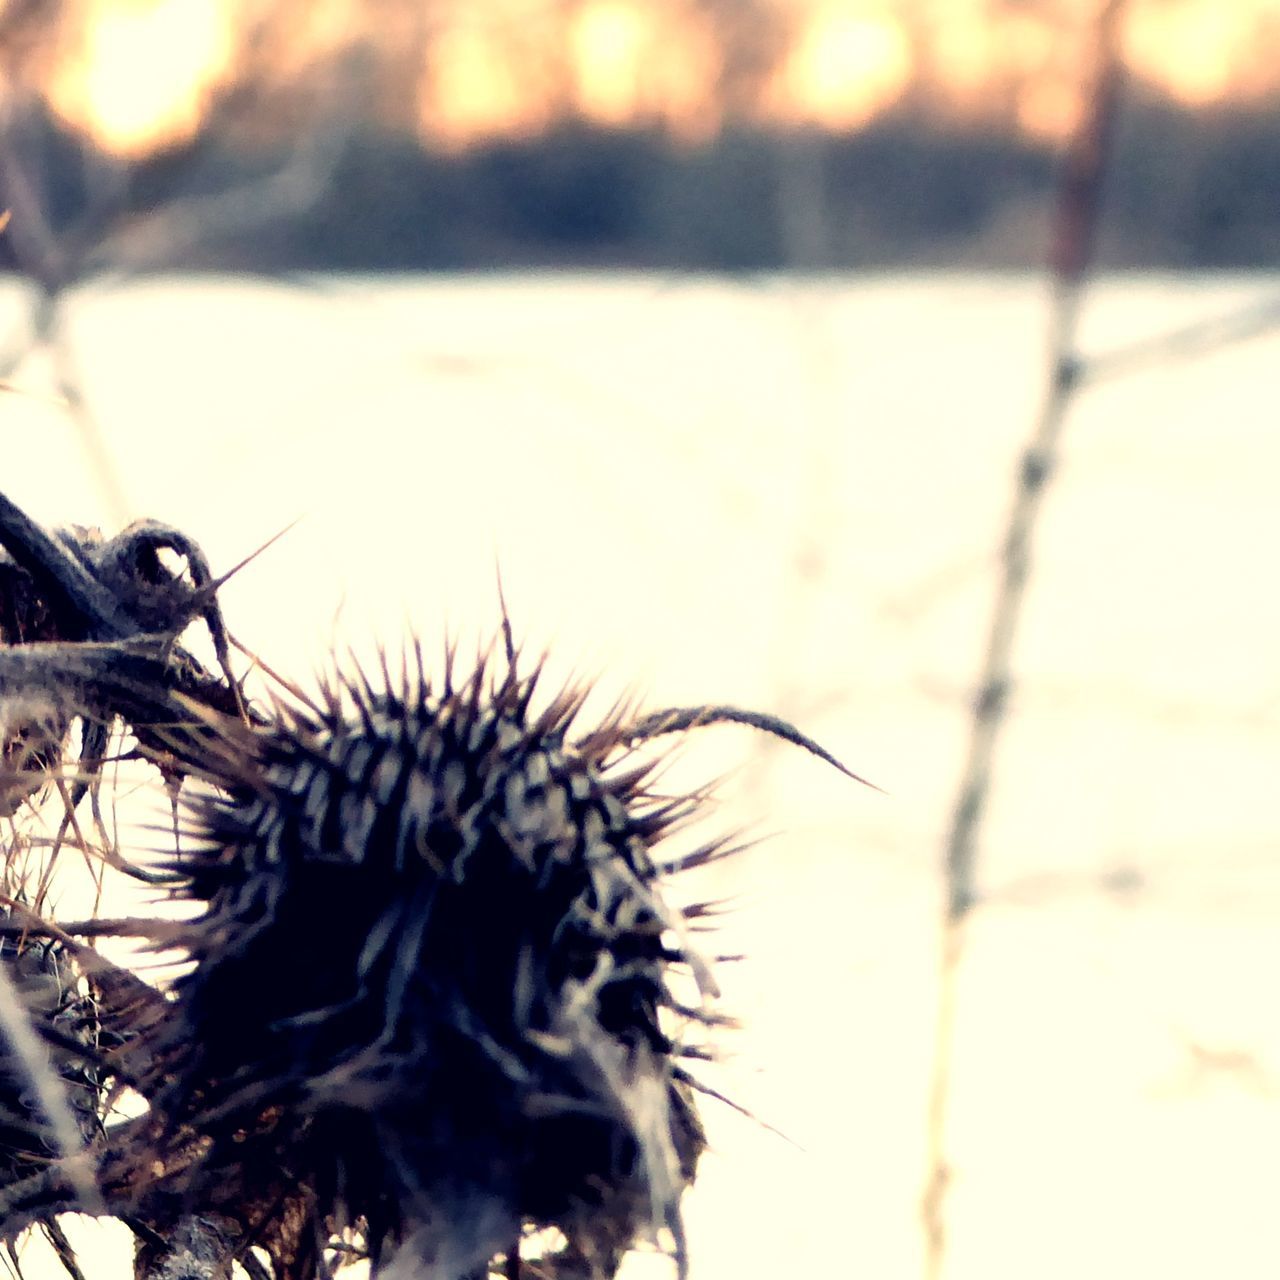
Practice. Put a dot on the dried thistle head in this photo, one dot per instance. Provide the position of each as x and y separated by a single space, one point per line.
436 994
436 999
433 970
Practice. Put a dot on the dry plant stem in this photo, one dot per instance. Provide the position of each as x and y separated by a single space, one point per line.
135 671
1076 219
40 256
1187 342
56 571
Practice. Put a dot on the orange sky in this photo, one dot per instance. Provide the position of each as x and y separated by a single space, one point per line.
138 72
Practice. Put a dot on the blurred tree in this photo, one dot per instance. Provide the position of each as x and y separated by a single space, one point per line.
752 38
77 211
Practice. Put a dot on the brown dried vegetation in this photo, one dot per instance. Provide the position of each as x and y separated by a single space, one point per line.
435 1009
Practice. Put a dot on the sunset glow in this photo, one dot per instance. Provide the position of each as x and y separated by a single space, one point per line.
609 41
846 67
139 72
473 92
628 68
1198 53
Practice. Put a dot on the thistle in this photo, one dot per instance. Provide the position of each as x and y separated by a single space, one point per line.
436 1000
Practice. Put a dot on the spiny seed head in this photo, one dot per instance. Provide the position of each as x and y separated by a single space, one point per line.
431 1000
432 968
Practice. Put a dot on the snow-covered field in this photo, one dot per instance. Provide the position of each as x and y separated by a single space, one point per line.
791 496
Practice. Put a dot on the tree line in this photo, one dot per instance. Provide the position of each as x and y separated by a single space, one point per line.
1188 190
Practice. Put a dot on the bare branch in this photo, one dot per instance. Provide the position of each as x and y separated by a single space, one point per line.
1202 338
1075 230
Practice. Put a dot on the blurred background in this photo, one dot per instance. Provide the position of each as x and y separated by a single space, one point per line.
904 369
692 134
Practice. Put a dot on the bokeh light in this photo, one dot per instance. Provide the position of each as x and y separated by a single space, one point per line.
138 73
